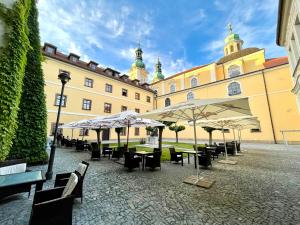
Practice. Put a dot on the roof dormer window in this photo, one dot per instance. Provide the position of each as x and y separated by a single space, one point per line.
49 48
74 58
92 65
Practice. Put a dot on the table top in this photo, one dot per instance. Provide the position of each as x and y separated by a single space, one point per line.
20 178
211 147
188 151
143 153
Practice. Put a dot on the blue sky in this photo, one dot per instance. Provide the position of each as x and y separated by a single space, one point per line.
182 33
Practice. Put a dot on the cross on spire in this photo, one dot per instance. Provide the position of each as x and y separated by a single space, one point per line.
229 28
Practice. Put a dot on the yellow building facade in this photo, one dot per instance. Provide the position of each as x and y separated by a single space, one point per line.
92 91
242 72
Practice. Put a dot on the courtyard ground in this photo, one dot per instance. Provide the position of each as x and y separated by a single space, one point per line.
263 188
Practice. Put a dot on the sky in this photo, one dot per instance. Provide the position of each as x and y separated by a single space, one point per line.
182 33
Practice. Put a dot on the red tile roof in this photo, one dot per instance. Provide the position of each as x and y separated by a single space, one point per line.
275 62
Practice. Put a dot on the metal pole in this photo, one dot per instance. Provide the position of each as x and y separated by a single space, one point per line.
72 133
224 143
234 141
128 133
195 139
49 172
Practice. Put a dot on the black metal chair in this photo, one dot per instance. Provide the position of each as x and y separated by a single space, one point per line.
54 206
175 156
130 161
62 179
153 160
230 148
79 145
95 154
106 150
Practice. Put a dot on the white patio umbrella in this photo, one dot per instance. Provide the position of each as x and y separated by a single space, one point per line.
129 119
195 110
241 122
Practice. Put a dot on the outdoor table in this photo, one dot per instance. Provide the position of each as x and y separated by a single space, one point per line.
21 182
143 154
189 151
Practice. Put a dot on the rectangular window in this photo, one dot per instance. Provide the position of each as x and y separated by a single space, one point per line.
124 92
137 110
88 82
108 88
148 99
59 130
93 66
63 101
86 104
84 132
136 131
74 59
123 131
255 130
107 107
137 96
123 108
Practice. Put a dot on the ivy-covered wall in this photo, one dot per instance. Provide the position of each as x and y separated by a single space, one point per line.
12 65
31 135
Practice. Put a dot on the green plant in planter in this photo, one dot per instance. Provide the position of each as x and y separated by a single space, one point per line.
12 65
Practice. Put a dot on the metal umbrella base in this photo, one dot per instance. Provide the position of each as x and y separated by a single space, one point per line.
199 181
226 161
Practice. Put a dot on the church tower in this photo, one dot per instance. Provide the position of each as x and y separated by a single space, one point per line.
138 69
233 43
158 73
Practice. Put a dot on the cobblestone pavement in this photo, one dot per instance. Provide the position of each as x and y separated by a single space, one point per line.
263 188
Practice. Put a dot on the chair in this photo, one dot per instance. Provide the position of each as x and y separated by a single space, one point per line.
106 150
153 160
204 158
176 156
79 145
230 148
118 153
62 179
130 161
95 154
68 144
54 206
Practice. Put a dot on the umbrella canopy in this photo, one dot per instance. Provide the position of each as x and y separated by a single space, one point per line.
198 109
242 122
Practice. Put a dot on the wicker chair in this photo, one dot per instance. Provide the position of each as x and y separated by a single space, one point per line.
106 150
204 158
95 154
54 206
153 160
117 154
130 161
62 179
175 156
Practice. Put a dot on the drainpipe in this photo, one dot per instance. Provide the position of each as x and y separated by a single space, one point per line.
268 102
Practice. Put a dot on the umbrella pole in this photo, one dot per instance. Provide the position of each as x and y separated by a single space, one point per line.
234 141
128 134
72 133
196 149
83 134
224 143
240 137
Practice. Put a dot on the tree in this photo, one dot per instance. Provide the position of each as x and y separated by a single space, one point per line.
177 129
31 135
14 45
118 131
210 130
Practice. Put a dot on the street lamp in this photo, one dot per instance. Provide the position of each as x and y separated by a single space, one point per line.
64 78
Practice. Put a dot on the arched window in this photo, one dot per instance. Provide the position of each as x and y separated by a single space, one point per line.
231 48
190 96
234 70
234 88
167 102
194 82
172 88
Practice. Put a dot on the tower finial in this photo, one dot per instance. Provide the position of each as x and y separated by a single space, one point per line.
229 28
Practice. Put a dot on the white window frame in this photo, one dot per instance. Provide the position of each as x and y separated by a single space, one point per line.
230 75
228 91
191 82
188 98
172 86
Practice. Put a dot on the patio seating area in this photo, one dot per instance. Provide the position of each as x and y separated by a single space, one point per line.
111 195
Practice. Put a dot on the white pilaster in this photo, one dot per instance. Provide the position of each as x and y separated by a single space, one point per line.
213 77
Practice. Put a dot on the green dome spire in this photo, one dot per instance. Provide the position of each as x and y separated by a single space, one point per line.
158 72
139 57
